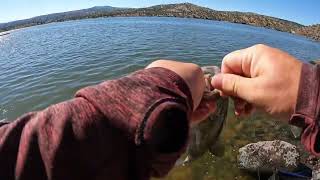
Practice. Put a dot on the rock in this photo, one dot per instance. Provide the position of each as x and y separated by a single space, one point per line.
312 31
265 156
316 171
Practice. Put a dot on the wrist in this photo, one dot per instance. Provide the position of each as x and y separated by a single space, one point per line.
296 79
307 97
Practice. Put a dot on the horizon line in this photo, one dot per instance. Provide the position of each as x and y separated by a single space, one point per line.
304 24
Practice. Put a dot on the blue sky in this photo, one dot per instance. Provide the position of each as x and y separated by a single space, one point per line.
302 11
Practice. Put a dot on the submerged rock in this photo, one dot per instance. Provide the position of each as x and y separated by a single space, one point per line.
316 171
267 156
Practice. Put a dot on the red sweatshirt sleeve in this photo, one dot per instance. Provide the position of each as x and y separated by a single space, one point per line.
134 127
307 111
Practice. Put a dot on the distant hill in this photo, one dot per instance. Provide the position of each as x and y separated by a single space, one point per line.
97 11
186 10
194 11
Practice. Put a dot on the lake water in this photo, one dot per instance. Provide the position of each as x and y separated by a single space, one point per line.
47 64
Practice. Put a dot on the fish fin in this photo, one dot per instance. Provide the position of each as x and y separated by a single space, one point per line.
296 131
183 162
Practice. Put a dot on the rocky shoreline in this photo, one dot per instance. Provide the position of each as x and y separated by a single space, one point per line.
184 10
312 32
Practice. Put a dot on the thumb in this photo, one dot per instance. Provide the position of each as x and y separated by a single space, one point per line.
234 85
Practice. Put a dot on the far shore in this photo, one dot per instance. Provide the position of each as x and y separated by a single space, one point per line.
4 33
181 10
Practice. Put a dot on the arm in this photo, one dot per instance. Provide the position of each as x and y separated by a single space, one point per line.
307 110
115 130
276 82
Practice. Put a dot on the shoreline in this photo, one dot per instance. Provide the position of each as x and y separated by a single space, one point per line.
182 10
4 33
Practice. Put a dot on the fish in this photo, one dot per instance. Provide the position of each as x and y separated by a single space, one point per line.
204 136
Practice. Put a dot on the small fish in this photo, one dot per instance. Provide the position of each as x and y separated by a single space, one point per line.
205 135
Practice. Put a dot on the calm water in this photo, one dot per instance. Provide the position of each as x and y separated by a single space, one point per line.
47 64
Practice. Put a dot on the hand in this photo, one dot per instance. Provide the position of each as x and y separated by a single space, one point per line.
190 73
265 77
194 78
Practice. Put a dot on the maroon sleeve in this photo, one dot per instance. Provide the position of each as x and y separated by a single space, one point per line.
307 111
130 128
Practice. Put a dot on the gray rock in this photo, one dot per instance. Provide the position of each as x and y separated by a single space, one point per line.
316 171
266 156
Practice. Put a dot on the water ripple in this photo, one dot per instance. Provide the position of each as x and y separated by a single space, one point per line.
47 64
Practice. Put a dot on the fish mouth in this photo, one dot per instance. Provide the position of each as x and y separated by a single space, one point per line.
210 92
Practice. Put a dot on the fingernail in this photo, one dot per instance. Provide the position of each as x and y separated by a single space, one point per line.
216 81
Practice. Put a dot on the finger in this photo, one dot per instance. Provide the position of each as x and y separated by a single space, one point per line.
238 62
234 85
